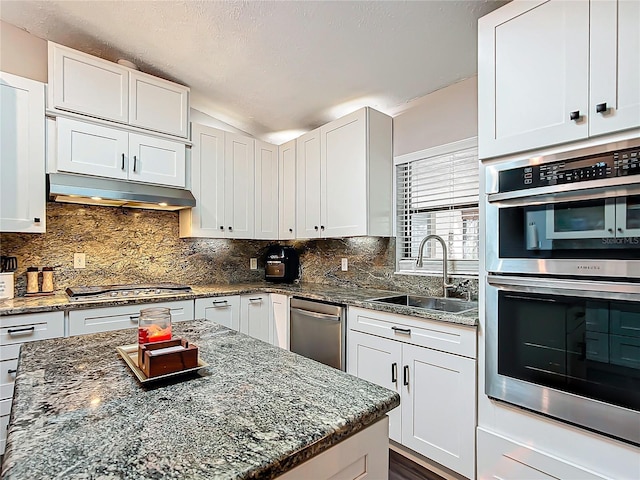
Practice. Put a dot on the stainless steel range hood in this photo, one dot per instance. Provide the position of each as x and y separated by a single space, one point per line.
116 193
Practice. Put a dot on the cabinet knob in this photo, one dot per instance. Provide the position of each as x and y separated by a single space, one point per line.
610 230
290 230
231 229
575 115
36 220
601 107
315 228
620 230
321 227
221 227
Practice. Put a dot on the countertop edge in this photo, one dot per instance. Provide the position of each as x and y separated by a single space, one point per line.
60 301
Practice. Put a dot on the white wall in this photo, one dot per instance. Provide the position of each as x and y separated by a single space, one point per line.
444 116
22 54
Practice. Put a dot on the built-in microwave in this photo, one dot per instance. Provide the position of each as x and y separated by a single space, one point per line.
573 214
569 349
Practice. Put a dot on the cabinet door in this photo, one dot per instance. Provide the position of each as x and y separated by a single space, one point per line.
438 407
533 72
266 201
86 84
254 316
615 65
82 322
378 361
22 183
279 320
287 193
158 105
92 149
308 185
156 160
222 310
239 186
343 177
206 219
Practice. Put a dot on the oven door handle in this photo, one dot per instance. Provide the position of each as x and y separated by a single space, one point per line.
577 288
564 193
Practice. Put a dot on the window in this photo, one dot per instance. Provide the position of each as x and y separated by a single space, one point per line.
437 194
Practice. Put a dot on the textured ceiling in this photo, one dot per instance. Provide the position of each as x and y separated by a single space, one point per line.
274 67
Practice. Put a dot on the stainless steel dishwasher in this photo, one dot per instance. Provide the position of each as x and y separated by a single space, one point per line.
317 331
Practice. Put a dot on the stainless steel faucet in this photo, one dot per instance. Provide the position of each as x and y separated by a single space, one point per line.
445 276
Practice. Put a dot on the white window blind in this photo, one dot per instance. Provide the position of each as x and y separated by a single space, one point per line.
438 195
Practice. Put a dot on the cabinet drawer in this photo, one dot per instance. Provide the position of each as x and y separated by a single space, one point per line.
30 327
456 339
106 319
7 377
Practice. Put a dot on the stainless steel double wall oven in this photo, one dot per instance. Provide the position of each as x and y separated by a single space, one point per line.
563 292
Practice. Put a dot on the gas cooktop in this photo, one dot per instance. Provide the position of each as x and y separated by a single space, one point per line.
102 292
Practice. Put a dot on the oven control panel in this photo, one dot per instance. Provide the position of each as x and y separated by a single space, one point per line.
608 165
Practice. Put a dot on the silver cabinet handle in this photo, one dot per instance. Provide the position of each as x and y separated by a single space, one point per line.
405 375
13 331
257 299
219 303
394 372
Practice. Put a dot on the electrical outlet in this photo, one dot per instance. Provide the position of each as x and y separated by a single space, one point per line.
79 260
253 264
345 265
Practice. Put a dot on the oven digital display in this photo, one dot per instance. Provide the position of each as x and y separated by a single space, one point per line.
594 167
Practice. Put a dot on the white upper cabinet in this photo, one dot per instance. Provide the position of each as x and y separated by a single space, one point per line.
206 219
287 190
614 99
89 85
22 155
308 185
239 185
92 149
86 84
156 160
266 197
158 105
552 72
223 183
344 178
102 151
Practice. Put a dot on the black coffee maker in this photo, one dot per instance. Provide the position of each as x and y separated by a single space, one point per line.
282 264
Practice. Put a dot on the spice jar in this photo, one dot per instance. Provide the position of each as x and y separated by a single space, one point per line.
154 325
32 280
47 279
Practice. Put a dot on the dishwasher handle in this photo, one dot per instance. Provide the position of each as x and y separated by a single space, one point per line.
321 316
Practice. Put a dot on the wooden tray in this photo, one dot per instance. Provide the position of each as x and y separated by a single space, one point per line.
130 355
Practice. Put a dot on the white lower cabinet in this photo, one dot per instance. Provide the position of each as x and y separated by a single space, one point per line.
503 458
15 330
279 320
437 413
95 320
222 310
254 316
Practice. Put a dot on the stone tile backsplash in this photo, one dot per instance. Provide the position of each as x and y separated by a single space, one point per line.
138 246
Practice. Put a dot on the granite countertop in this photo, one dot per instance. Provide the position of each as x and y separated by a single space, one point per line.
255 412
344 295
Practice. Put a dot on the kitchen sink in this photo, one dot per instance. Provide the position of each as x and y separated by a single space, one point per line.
440 304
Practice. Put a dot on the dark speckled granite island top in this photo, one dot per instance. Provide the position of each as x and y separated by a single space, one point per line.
255 412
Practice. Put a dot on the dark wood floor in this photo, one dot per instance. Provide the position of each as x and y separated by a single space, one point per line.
401 468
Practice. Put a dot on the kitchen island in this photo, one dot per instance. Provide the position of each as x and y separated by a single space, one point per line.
256 411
